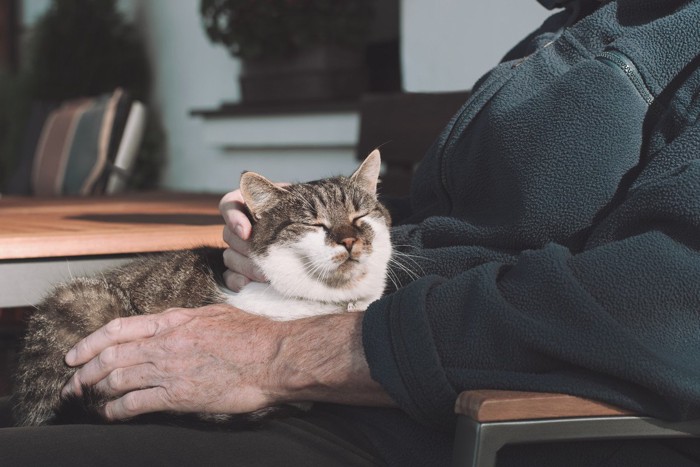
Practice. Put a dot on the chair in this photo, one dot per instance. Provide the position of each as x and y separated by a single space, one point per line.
83 146
491 419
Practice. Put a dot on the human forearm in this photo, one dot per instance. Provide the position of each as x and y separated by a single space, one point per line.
321 359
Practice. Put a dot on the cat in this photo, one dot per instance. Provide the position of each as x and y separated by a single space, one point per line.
324 246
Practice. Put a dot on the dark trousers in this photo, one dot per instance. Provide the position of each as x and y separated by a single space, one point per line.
316 439
319 438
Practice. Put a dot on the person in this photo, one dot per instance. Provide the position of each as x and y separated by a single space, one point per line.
555 227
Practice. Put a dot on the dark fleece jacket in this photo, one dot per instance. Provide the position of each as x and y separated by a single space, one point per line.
555 227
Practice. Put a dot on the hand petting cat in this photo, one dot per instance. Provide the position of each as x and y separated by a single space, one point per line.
218 359
241 269
183 360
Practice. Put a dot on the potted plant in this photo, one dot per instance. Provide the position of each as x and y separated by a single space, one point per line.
293 49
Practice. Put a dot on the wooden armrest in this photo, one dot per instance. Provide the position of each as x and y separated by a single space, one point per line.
489 405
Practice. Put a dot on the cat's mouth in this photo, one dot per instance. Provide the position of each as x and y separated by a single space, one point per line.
350 262
338 270
350 269
347 269
345 258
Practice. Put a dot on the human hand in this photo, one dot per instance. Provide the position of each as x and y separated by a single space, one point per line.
241 270
214 359
218 359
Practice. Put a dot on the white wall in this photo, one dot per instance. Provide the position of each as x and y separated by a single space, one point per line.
448 44
188 73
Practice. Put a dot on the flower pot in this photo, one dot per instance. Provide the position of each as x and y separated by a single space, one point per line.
318 73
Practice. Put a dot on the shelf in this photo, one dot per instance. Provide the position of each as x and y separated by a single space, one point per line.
302 125
231 109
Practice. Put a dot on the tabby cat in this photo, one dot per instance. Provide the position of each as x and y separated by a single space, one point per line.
323 245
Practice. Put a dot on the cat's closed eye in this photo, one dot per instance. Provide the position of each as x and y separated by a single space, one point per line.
322 225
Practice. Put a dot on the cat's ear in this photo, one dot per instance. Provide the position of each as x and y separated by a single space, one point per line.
367 175
259 193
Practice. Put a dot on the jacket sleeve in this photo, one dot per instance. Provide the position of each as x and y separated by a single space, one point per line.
617 320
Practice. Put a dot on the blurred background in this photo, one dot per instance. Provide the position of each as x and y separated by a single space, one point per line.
215 103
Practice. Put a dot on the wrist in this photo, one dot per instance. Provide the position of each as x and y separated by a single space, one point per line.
321 359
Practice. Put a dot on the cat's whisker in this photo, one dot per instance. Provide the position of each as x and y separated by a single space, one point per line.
404 258
398 268
396 277
393 279
321 271
70 273
398 248
395 266
29 304
405 262
408 274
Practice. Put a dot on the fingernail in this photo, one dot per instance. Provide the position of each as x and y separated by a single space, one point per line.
239 231
70 357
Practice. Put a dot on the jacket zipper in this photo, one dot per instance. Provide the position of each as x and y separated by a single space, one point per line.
621 61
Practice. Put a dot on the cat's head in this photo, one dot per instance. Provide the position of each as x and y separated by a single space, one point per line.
320 240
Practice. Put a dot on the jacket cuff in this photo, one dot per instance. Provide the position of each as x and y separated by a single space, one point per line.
403 358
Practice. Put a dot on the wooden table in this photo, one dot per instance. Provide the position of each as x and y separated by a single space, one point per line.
49 240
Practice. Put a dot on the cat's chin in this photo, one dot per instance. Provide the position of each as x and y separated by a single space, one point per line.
347 275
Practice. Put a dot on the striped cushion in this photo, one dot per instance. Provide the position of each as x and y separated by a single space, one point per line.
77 145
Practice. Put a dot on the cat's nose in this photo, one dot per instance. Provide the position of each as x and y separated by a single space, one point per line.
348 243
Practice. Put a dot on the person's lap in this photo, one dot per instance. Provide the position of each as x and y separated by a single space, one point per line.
314 439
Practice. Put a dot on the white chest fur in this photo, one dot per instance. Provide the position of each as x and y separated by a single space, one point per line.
263 299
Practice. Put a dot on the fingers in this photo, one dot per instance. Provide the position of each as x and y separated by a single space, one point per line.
162 362
242 265
241 269
234 281
115 332
112 372
136 403
235 242
122 380
116 343
233 210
